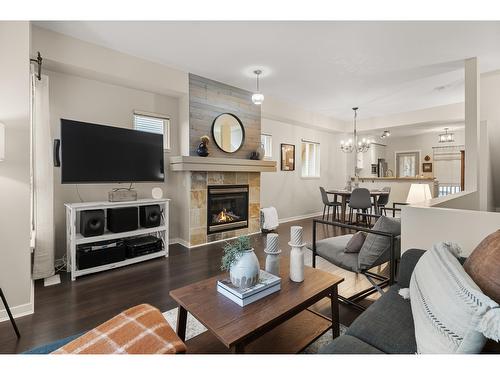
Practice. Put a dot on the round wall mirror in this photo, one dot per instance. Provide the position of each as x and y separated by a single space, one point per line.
228 132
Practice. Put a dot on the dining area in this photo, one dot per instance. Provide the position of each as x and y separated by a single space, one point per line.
355 205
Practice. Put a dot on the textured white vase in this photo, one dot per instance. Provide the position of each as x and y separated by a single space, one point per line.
261 151
297 263
245 272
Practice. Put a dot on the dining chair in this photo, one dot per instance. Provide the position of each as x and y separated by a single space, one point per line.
360 201
382 201
327 204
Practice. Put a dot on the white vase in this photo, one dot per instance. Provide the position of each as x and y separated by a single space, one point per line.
273 263
297 264
245 272
261 151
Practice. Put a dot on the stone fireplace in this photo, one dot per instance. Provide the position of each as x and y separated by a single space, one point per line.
211 205
227 208
233 211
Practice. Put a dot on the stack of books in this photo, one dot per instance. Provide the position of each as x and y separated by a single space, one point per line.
268 284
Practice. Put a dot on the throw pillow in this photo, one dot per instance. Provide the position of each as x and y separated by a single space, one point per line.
139 330
375 249
355 243
450 312
483 265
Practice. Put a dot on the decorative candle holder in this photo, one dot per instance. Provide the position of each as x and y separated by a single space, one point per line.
296 235
273 254
297 262
273 262
296 254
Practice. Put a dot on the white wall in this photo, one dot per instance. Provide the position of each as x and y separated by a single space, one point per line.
15 270
87 100
421 227
292 195
423 143
490 112
74 56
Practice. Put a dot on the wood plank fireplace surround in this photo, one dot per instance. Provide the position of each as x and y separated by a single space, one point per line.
223 189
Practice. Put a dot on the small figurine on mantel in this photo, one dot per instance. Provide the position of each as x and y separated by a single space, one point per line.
202 149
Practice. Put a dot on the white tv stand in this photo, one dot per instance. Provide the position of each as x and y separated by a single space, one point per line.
74 238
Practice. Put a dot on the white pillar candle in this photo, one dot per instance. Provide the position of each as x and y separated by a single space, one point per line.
272 243
296 235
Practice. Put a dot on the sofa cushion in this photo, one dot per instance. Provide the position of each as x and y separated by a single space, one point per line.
139 330
483 266
387 324
332 249
355 243
449 309
375 249
347 344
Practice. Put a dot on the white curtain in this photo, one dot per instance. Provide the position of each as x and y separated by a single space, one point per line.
42 180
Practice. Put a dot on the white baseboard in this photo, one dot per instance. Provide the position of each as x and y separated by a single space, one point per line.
180 241
300 217
20 310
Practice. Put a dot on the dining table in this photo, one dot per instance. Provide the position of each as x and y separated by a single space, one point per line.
344 195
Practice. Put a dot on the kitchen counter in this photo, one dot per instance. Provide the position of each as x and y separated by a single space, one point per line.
400 186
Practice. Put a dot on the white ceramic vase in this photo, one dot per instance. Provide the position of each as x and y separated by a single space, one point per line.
261 151
273 263
245 272
297 264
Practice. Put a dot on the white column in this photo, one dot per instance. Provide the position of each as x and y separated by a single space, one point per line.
471 124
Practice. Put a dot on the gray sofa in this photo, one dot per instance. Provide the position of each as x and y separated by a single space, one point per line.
387 325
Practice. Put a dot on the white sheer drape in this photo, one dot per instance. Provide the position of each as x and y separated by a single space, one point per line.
42 180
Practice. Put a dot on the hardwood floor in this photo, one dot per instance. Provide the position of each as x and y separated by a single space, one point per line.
72 307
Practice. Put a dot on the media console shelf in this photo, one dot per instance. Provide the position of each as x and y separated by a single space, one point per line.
75 238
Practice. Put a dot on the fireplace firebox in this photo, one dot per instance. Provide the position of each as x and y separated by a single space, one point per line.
227 208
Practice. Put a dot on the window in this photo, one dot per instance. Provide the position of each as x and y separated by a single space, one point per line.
447 168
310 159
267 142
407 164
153 123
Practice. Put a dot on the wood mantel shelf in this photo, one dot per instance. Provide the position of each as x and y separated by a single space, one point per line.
209 164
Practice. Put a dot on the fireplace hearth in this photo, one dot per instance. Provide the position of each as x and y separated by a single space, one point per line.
227 208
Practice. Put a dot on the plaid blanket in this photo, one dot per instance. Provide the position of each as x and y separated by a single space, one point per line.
139 330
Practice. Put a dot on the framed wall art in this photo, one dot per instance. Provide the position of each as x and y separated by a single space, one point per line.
287 157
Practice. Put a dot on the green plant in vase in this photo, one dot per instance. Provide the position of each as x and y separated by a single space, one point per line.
241 262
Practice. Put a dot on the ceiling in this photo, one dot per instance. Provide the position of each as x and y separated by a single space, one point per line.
325 67
415 130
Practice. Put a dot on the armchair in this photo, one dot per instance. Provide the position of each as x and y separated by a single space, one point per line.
384 247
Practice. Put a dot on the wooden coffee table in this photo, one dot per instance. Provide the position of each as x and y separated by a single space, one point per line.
278 323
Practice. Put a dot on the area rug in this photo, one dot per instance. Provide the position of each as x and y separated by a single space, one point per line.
194 328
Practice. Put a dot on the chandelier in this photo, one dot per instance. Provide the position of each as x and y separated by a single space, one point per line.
354 145
446 137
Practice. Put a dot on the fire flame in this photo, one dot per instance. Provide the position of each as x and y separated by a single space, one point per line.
224 217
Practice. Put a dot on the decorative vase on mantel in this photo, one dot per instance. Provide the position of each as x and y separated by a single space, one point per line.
202 149
244 273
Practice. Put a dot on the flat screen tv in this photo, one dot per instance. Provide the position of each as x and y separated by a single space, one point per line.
92 153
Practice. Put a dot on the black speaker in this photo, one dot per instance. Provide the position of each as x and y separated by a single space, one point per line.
122 219
150 216
92 223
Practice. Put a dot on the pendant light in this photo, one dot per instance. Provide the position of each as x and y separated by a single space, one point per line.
446 137
258 97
